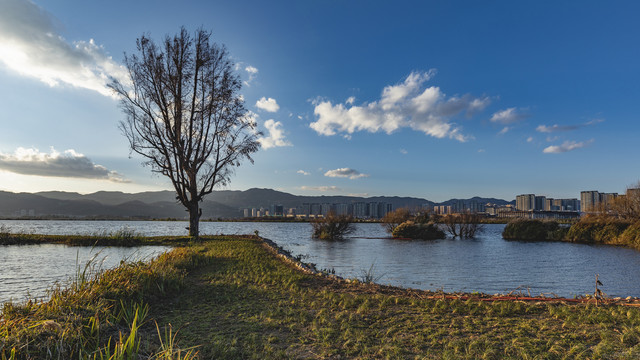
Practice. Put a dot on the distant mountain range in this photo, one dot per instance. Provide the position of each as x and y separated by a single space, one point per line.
163 204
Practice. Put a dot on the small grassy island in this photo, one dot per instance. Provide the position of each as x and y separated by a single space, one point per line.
242 298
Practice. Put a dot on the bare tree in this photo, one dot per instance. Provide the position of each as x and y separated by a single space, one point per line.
185 116
332 226
464 225
627 206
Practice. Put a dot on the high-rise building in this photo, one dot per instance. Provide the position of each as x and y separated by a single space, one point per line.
569 204
360 210
589 200
343 209
525 202
594 201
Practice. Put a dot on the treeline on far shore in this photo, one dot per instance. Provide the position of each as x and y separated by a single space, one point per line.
590 230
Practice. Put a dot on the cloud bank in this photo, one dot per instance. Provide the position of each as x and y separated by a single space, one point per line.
30 46
566 146
69 164
345 173
407 104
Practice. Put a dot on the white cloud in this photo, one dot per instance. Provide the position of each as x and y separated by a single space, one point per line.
30 46
350 100
345 173
302 172
320 188
507 116
481 150
69 164
269 104
403 152
504 130
530 139
402 105
557 128
252 71
478 104
566 146
554 128
275 137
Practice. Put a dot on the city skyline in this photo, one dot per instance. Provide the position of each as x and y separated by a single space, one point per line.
429 100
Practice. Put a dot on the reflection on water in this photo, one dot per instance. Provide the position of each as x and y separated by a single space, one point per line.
487 264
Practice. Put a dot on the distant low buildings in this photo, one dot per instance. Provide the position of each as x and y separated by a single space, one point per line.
359 210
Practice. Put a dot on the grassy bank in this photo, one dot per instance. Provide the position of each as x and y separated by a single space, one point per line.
234 299
122 237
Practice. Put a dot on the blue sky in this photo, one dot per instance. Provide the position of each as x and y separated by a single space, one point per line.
427 99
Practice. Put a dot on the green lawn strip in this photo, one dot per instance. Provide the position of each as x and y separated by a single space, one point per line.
249 304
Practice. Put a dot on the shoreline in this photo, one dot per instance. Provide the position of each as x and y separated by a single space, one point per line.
437 295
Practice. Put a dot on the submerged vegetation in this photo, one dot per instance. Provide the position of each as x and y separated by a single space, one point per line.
332 226
232 298
464 226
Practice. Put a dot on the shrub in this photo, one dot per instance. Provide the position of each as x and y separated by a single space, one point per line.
412 230
332 227
631 235
394 218
526 229
597 230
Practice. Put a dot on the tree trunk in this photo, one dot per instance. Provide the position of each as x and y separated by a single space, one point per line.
194 219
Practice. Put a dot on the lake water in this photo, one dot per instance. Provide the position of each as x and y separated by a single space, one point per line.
30 270
486 264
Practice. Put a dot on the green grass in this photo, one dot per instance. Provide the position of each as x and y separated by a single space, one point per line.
232 298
